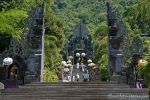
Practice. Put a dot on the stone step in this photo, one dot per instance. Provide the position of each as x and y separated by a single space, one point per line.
85 91
99 82
74 90
78 83
78 90
75 86
70 93
76 97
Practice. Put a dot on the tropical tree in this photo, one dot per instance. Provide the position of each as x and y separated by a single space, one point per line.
100 50
11 25
54 41
144 11
13 20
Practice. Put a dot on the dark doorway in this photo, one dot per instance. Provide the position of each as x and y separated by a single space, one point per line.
12 72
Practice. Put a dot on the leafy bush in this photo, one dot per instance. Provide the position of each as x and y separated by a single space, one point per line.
51 76
144 72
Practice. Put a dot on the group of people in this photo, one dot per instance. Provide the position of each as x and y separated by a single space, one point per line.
82 67
84 70
77 77
85 77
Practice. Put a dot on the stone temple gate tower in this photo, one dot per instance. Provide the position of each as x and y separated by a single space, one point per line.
115 42
80 42
28 52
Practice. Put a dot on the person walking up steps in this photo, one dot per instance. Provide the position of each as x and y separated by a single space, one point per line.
82 67
73 78
77 66
85 76
77 76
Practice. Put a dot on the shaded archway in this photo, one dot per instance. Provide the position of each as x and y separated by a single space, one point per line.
12 72
19 67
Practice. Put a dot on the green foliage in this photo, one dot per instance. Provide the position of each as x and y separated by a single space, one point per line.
91 12
134 15
51 76
144 10
101 31
145 71
132 21
52 38
100 50
11 24
103 65
54 41
54 27
13 20
25 5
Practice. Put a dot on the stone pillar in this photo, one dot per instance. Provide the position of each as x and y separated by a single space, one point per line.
118 68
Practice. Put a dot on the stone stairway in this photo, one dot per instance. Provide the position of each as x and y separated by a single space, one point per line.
74 90
75 71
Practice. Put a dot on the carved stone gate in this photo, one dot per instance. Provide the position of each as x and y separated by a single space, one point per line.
27 53
80 41
120 50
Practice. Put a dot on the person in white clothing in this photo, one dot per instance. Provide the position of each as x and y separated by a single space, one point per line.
69 78
77 76
82 66
73 79
77 65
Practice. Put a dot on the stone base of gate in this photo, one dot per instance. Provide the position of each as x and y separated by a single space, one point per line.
31 78
118 78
